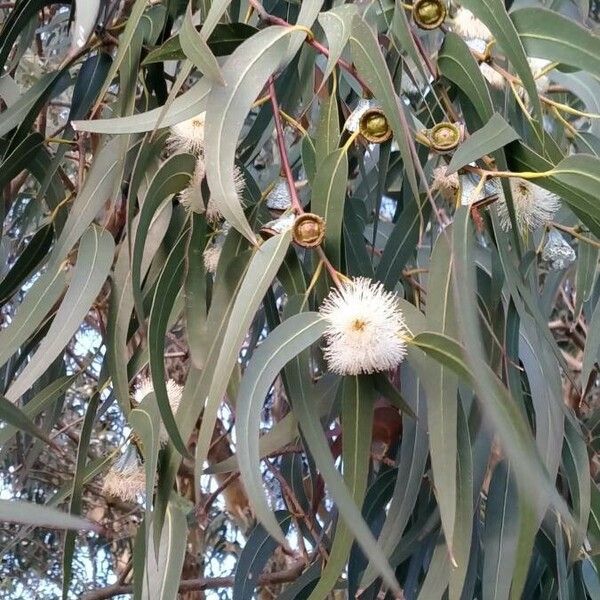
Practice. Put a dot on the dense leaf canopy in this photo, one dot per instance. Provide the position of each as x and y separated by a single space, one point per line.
299 299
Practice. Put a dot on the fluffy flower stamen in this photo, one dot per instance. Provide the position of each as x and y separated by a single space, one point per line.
188 136
126 479
534 206
366 331
469 27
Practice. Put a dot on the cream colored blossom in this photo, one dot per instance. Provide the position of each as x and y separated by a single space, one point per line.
126 479
446 185
211 256
469 27
174 392
492 76
188 136
534 205
191 197
366 331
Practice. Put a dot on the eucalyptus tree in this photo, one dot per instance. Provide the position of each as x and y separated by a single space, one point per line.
300 299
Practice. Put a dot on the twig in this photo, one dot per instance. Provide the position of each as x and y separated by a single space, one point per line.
202 583
285 163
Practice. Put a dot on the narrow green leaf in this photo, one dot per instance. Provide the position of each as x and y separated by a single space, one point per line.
457 64
260 273
131 25
591 352
587 272
172 177
101 184
329 194
328 130
319 448
167 289
94 259
163 573
197 50
12 416
495 134
337 25
547 34
38 515
493 14
496 403
373 69
245 74
259 548
20 158
414 451
463 525
15 115
86 14
501 534
286 341
576 466
402 242
28 261
38 403
358 401
186 106
441 386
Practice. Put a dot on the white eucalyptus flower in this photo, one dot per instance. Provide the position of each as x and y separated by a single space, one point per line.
188 136
446 185
126 478
469 27
174 392
534 205
191 197
492 76
211 256
366 331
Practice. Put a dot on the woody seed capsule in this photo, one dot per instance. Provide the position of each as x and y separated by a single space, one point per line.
444 137
429 14
374 126
309 230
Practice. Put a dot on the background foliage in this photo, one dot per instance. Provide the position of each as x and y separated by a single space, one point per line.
469 472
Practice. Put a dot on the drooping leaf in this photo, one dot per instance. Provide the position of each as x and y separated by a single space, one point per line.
197 50
495 134
94 259
245 74
289 339
337 25
548 34
19 511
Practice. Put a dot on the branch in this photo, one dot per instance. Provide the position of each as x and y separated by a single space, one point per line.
202 583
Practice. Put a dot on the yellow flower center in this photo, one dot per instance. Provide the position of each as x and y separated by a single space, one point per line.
358 325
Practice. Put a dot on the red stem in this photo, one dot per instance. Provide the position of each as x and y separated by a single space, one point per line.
285 163
349 68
